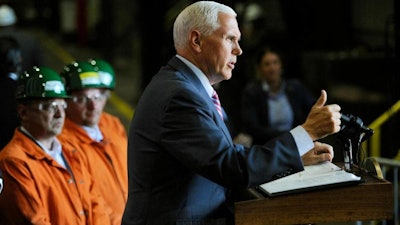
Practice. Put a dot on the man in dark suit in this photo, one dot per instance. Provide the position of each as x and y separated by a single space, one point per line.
182 163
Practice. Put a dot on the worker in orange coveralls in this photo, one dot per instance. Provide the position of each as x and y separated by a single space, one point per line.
101 135
46 182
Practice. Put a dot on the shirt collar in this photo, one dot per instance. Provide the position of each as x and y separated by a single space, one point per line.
56 146
94 133
202 77
265 87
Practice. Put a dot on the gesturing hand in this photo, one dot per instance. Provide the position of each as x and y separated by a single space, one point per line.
322 119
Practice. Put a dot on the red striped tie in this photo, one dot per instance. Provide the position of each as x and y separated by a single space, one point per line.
217 104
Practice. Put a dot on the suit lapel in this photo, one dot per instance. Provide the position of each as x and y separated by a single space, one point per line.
192 78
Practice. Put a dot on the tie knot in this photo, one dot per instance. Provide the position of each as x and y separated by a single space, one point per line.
215 95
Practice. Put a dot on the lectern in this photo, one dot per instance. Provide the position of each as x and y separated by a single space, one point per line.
370 200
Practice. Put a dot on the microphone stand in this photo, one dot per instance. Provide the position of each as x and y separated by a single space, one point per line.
348 155
353 133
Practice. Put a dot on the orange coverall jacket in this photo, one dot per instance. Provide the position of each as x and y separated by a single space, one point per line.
107 159
38 190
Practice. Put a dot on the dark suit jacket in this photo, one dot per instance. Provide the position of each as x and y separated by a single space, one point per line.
255 109
182 163
8 115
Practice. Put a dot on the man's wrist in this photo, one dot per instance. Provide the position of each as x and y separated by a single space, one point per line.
303 140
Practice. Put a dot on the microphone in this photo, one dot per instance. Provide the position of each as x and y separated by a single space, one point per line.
354 125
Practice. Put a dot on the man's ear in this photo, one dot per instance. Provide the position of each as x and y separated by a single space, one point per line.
21 110
195 38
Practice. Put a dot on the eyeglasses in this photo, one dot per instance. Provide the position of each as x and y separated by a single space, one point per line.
51 106
82 99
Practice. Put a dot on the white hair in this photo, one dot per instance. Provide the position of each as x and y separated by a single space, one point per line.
201 16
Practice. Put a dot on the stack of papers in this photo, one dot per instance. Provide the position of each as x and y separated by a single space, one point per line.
313 177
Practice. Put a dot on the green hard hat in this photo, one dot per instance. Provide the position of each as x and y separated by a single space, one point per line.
106 72
40 82
80 75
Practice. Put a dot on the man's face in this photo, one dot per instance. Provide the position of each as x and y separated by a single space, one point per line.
43 118
220 50
85 106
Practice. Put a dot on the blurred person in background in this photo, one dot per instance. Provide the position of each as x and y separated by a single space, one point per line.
100 135
45 181
272 104
10 69
32 50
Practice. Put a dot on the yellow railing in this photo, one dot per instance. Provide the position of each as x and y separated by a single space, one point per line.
374 143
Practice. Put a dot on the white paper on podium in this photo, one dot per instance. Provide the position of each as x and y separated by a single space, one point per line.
318 176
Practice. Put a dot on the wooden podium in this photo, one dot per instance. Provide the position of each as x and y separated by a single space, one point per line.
371 200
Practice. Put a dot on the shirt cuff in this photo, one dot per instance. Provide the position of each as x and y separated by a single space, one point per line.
303 140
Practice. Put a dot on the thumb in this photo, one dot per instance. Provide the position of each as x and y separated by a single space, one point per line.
322 99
